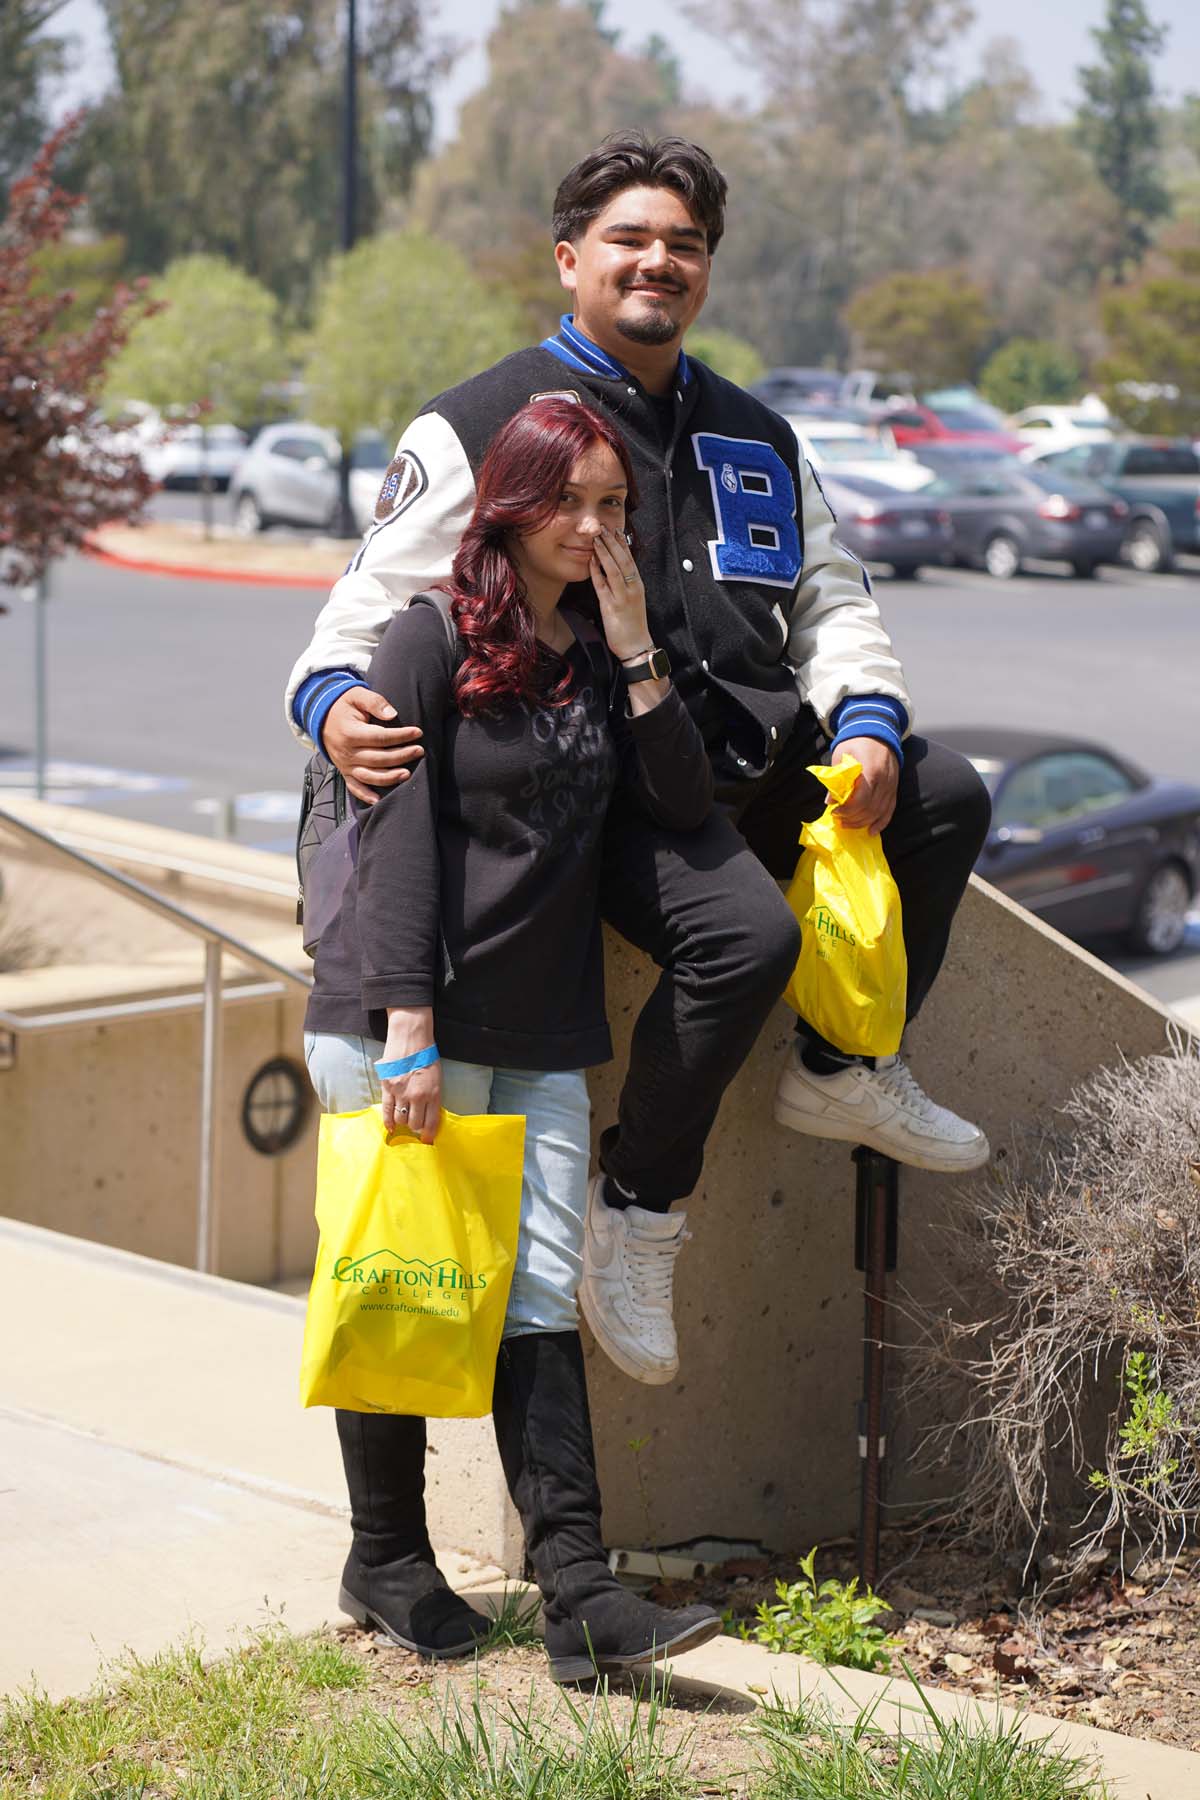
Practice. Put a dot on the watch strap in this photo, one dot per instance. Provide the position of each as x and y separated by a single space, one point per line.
655 667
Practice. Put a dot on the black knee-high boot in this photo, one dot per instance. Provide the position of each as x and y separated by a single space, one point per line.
544 1434
391 1580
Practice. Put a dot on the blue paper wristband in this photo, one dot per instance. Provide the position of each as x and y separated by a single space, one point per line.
405 1065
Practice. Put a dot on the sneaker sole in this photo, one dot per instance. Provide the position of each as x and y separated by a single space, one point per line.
797 1120
614 1352
567 1670
362 1615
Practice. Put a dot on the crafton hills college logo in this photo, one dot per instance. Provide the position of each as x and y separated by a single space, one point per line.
404 481
390 1273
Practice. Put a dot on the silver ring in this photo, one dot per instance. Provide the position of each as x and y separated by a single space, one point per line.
629 580
403 1111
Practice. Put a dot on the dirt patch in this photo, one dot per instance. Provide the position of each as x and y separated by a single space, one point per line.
184 545
1122 1655
709 1734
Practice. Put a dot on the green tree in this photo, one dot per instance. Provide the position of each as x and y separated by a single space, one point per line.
214 350
727 354
221 133
1118 127
933 324
89 270
491 191
1153 332
398 319
1030 372
29 58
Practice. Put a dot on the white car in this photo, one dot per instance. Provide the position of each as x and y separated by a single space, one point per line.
290 475
1047 428
844 448
182 455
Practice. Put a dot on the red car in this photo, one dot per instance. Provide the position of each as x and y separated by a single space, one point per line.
931 420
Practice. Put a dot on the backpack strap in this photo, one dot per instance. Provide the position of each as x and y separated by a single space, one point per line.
442 603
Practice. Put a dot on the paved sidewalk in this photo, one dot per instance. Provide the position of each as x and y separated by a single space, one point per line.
157 1473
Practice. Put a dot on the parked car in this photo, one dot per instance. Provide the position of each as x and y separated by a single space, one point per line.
1159 480
180 456
792 390
849 448
880 524
1043 429
1006 512
1084 838
290 476
914 424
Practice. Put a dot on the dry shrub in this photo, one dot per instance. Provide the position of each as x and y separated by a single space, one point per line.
1073 1362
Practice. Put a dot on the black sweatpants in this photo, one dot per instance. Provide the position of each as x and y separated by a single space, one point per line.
705 906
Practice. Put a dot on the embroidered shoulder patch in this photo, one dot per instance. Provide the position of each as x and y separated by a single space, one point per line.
404 482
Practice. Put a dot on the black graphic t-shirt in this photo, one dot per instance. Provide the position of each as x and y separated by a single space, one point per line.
477 887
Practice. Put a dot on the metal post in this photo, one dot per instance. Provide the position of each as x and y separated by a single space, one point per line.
350 133
875 1234
210 1092
345 523
40 728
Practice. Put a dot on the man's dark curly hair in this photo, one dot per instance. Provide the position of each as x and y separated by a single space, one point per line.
629 159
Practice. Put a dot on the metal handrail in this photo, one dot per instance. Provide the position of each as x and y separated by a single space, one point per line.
216 941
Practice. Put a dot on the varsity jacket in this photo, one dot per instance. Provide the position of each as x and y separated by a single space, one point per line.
747 588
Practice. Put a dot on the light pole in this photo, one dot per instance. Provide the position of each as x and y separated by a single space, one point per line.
349 218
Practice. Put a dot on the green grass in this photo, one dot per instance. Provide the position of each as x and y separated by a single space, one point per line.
285 1719
517 1625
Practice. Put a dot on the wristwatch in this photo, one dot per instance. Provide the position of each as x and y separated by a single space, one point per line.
655 667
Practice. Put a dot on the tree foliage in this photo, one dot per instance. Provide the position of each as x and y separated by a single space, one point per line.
726 354
932 325
1118 127
491 191
91 269
1153 332
221 134
215 345
29 57
61 474
1030 372
398 319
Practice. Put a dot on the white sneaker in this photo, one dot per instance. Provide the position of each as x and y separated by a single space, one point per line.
626 1291
884 1108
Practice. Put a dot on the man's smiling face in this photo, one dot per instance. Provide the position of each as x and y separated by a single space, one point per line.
639 271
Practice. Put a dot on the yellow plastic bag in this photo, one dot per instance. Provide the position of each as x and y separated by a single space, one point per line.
415 1261
851 980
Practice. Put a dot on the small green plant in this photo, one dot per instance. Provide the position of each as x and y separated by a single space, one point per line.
517 1625
832 1622
1140 1437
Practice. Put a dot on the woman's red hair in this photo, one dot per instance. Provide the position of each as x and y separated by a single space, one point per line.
518 491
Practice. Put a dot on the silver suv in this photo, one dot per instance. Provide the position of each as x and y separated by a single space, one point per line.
289 476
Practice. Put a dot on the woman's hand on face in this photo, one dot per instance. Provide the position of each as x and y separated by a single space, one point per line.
414 1101
621 595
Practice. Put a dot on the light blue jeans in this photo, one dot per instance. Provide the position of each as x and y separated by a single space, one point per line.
557 1140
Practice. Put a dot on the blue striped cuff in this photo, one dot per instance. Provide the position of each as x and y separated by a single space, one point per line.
316 694
870 715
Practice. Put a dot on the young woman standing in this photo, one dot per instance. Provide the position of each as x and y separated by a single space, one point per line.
465 969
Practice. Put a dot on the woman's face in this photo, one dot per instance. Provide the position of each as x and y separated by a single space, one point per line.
558 552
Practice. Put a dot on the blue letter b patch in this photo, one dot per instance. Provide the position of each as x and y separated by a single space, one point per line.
754 501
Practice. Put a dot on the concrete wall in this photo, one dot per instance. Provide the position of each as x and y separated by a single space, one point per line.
758 1438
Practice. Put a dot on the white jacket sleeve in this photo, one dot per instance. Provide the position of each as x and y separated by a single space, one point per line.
423 508
836 638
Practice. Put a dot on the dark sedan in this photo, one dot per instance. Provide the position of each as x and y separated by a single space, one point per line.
878 523
1006 512
1084 839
